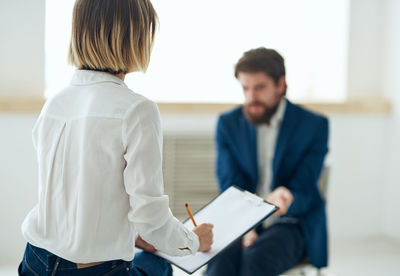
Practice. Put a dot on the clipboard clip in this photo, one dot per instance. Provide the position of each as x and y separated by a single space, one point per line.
255 199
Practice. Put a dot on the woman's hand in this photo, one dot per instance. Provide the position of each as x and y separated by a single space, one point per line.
142 244
204 231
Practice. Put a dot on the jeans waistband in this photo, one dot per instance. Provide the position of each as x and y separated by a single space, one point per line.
50 260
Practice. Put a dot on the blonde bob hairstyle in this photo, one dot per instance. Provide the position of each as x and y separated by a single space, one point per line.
114 36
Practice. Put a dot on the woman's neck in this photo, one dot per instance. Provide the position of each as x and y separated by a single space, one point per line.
120 75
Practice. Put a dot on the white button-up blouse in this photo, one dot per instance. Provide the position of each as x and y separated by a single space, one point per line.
99 152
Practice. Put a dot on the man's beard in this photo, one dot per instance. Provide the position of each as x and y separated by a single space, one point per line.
264 118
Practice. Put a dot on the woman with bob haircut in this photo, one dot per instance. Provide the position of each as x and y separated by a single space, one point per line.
99 151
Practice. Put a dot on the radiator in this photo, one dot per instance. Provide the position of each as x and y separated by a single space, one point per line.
188 167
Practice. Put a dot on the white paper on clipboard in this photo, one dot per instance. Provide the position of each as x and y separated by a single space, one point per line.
233 213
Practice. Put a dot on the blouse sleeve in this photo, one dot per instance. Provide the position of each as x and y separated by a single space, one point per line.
149 207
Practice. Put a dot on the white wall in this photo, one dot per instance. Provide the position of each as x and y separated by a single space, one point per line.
21 74
22 47
391 88
364 183
365 48
374 67
18 182
355 183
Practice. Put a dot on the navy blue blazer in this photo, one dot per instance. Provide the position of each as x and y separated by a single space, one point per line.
300 150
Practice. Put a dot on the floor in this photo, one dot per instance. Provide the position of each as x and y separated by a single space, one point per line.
364 257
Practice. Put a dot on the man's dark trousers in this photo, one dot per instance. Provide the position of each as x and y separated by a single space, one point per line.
277 249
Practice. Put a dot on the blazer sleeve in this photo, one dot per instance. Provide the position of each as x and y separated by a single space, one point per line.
228 170
304 184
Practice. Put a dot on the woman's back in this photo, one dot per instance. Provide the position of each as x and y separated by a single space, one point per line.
80 140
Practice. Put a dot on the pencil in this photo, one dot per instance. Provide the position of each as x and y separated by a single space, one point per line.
190 214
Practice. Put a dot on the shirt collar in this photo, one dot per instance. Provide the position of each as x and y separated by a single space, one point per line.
84 77
278 116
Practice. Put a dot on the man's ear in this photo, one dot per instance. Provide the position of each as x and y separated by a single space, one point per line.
282 85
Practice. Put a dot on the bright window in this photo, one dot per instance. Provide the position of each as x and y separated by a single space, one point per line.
199 42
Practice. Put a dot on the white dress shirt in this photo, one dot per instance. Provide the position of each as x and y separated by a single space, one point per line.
266 143
99 152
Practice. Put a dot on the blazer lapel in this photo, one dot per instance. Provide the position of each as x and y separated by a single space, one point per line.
249 150
285 133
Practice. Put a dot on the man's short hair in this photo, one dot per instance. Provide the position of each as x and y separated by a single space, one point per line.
264 60
114 36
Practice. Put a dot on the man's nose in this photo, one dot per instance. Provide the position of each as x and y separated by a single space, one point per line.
251 95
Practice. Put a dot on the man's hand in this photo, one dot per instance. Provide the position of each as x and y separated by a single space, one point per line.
204 231
282 198
142 244
249 238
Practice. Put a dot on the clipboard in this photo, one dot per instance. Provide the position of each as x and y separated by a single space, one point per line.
233 213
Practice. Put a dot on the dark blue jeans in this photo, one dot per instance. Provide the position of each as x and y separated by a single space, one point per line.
38 261
276 249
